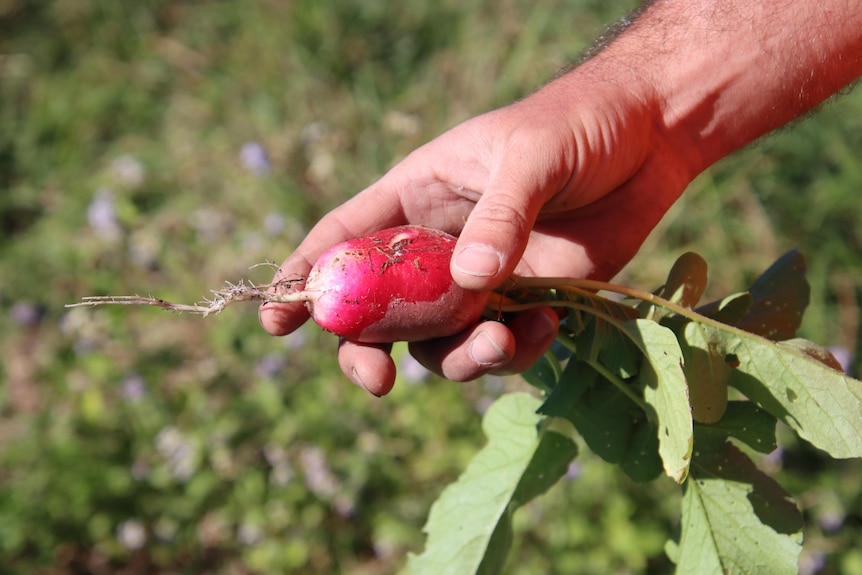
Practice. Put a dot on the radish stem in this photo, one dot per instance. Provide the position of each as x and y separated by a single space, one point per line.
585 287
581 288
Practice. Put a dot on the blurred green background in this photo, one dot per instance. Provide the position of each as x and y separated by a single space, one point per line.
164 147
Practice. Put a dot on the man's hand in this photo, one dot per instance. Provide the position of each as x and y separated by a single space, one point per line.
569 181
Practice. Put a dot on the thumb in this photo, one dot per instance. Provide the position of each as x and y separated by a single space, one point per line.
495 236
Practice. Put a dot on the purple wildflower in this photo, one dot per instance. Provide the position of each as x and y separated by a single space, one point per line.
574 470
831 519
25 313
271 365
317 474
254 158
133 387
411 370
102 215
812 562
844 357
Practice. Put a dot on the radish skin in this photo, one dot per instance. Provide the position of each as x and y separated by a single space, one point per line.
393 285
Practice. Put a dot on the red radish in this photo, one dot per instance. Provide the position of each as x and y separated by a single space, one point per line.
393 285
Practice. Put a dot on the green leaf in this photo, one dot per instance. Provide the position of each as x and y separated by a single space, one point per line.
706 372
549 463
544 373
743 421
729 310
601 413
736 519
577 378
684 286
469 526
603 342
666 392
823 405
611 424
641 461
686 280
814 351
780 296
774 304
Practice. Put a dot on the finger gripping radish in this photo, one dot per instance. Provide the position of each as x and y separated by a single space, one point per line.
393 285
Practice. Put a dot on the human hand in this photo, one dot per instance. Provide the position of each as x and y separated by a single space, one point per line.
567 182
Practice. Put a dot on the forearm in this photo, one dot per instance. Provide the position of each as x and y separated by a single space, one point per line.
728 72
714 75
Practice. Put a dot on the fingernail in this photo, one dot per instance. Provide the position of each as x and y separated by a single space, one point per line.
479 260
540 327
354 376
356 379
485 352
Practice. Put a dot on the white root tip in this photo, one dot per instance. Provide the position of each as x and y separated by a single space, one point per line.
221 299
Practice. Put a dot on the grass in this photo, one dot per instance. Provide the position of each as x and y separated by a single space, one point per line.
132 440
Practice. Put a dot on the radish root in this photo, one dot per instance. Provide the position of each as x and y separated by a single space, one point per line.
221 299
